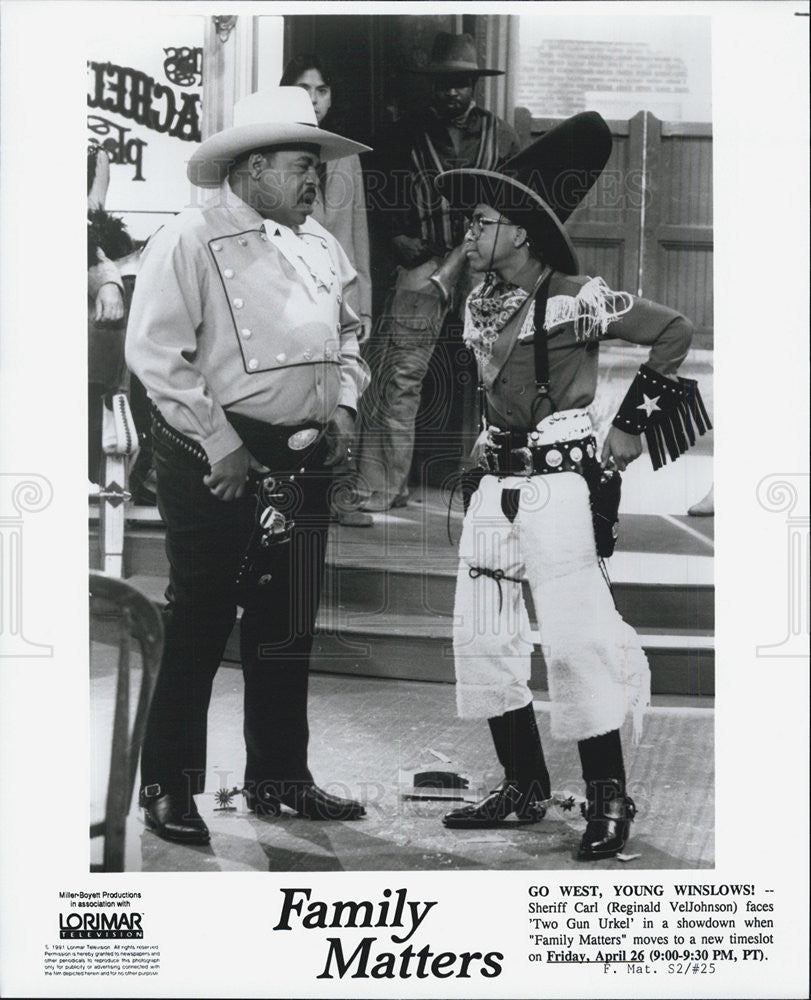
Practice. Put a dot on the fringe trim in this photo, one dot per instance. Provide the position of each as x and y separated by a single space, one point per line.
592 310
673 433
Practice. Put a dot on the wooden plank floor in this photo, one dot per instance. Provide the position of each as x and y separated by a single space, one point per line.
364 731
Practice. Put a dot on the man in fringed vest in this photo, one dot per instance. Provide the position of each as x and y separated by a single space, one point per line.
421 228
535 325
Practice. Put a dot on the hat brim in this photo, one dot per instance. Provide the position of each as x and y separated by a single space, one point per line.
453 69
212 159
465 189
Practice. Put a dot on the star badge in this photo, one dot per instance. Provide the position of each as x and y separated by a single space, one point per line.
650 404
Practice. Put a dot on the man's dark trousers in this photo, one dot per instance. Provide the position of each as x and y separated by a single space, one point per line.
205 541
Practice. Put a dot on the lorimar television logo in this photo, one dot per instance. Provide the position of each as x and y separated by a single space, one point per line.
100 925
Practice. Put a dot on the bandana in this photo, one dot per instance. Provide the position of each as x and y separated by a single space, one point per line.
489 307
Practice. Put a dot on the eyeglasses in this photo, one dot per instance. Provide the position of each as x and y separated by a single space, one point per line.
476 225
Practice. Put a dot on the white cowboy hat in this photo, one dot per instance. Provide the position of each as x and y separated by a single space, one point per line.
275 117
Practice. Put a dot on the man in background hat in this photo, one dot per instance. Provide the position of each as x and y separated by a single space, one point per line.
535 325
421 229
240 332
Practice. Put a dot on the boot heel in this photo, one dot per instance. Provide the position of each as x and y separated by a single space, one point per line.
495 809
608 814
266 806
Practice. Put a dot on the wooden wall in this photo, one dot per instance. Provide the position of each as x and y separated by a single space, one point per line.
646 226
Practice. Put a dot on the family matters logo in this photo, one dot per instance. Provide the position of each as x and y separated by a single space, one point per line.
398 914
100 925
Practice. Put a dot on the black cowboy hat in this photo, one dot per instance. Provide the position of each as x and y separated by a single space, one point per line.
541 186
454 55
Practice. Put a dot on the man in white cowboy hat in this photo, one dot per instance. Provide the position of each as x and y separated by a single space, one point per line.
421 228
535 325
240 332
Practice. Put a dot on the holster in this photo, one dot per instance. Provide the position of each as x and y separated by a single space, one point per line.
270 536
605 489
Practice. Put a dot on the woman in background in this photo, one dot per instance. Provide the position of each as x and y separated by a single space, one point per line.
341 206
341 209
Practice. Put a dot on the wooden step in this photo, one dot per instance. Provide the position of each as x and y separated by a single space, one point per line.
409 648
418 647
651 590
667 603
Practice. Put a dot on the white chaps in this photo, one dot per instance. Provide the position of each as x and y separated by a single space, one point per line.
597 671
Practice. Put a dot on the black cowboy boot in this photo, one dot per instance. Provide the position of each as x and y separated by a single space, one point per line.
494 809
609 813
305 798
526 757
172 816
526 783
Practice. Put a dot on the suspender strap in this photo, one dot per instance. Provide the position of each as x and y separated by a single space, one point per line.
541 352
541 346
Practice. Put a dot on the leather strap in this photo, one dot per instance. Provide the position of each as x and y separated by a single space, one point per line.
541 353
541 349
515 454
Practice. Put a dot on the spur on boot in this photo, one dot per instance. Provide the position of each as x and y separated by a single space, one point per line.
608 813
496 808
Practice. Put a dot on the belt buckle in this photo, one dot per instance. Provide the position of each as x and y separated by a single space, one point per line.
302 439
525 454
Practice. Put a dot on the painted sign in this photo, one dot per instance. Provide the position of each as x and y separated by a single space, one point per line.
144 106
